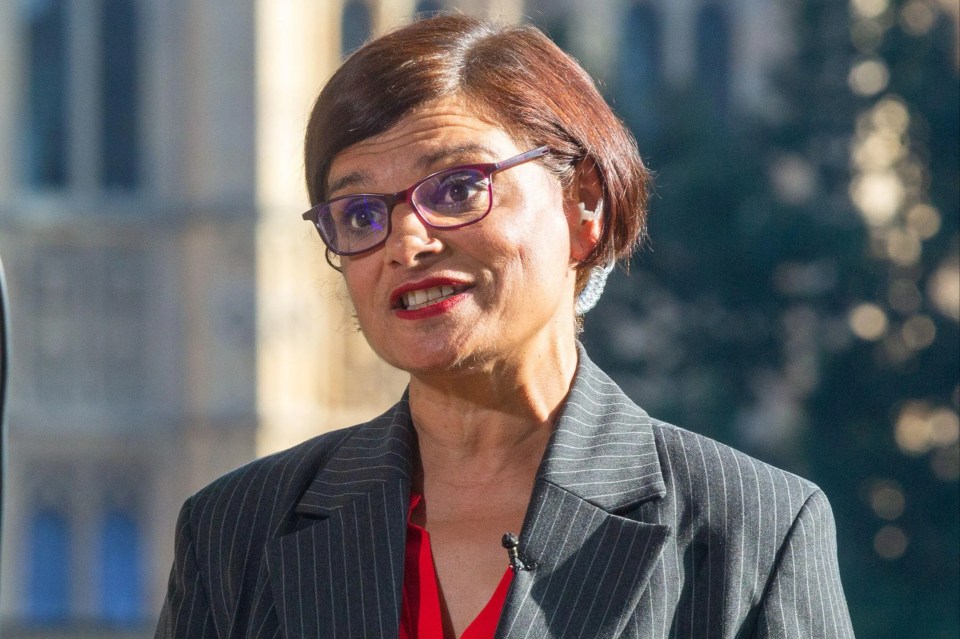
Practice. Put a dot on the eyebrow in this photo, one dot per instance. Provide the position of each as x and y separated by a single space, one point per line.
350 179
468 149
425 162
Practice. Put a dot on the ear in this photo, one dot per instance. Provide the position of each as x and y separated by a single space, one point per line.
586 190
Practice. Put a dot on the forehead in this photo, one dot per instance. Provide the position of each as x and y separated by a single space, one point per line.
438 134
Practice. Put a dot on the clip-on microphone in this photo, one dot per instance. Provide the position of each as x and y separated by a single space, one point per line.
512 546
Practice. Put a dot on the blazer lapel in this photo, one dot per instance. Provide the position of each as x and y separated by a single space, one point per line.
589 564
339 573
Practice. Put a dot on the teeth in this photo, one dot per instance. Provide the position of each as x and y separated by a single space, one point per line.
416 299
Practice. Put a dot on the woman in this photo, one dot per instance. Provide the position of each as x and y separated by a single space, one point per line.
476 189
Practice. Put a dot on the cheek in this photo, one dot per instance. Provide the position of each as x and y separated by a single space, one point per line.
358 285
539 228
542 255
541 221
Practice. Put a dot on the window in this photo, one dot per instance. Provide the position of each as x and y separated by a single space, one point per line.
355 26
119 95
713 56
639 70
120 578
46 104
82 104
48 583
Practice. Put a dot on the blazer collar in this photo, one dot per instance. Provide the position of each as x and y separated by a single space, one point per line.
379 453
339 572
602 449
588 560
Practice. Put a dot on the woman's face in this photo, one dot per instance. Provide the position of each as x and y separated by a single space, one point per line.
503 287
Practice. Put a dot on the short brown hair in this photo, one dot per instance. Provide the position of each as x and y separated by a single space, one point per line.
518 78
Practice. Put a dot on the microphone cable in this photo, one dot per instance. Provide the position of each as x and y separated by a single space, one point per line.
4 377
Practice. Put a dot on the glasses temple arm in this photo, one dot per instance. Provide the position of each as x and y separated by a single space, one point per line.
523 157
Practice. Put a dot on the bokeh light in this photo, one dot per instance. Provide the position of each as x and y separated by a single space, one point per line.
921 428
868 77
918 332
944 427
924 220
879 149
793 179
878 195
944 289
903 247
870 8
886 499
868 321
890 542
917 17
886 179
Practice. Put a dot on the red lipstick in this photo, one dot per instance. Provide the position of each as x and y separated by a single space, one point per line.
437 307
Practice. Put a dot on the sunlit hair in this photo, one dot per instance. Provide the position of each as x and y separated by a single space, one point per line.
514 76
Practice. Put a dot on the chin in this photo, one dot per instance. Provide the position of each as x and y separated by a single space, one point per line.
430 363
436 358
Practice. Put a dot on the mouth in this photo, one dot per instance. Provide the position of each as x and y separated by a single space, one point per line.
419 295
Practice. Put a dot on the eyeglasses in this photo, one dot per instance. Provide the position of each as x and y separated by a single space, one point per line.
448 199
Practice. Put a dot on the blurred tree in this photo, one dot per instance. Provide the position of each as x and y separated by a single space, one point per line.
889 401
800 297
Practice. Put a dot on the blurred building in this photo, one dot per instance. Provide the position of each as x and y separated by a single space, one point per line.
173 317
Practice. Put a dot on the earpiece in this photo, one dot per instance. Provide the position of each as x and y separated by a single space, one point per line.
587 215
598 274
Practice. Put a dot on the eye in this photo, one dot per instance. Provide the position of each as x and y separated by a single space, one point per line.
363 214
456 191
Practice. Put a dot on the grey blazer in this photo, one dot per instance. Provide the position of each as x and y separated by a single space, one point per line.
635 529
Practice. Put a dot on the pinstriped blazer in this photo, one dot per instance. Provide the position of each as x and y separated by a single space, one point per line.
635 529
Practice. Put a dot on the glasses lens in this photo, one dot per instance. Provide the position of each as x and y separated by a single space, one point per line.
353 224
453 197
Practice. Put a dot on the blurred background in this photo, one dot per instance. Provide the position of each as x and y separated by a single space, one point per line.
173 317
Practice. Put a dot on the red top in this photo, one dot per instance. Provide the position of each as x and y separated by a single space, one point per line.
420 616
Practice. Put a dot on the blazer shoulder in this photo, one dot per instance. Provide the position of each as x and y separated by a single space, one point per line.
704 476
702 456
264 491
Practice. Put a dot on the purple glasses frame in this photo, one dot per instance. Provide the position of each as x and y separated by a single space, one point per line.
390 200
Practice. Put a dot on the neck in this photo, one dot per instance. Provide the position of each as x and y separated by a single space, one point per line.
492 421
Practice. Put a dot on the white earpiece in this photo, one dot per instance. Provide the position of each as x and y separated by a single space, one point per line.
586 214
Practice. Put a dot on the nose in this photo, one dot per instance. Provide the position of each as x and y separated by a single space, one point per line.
411 242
